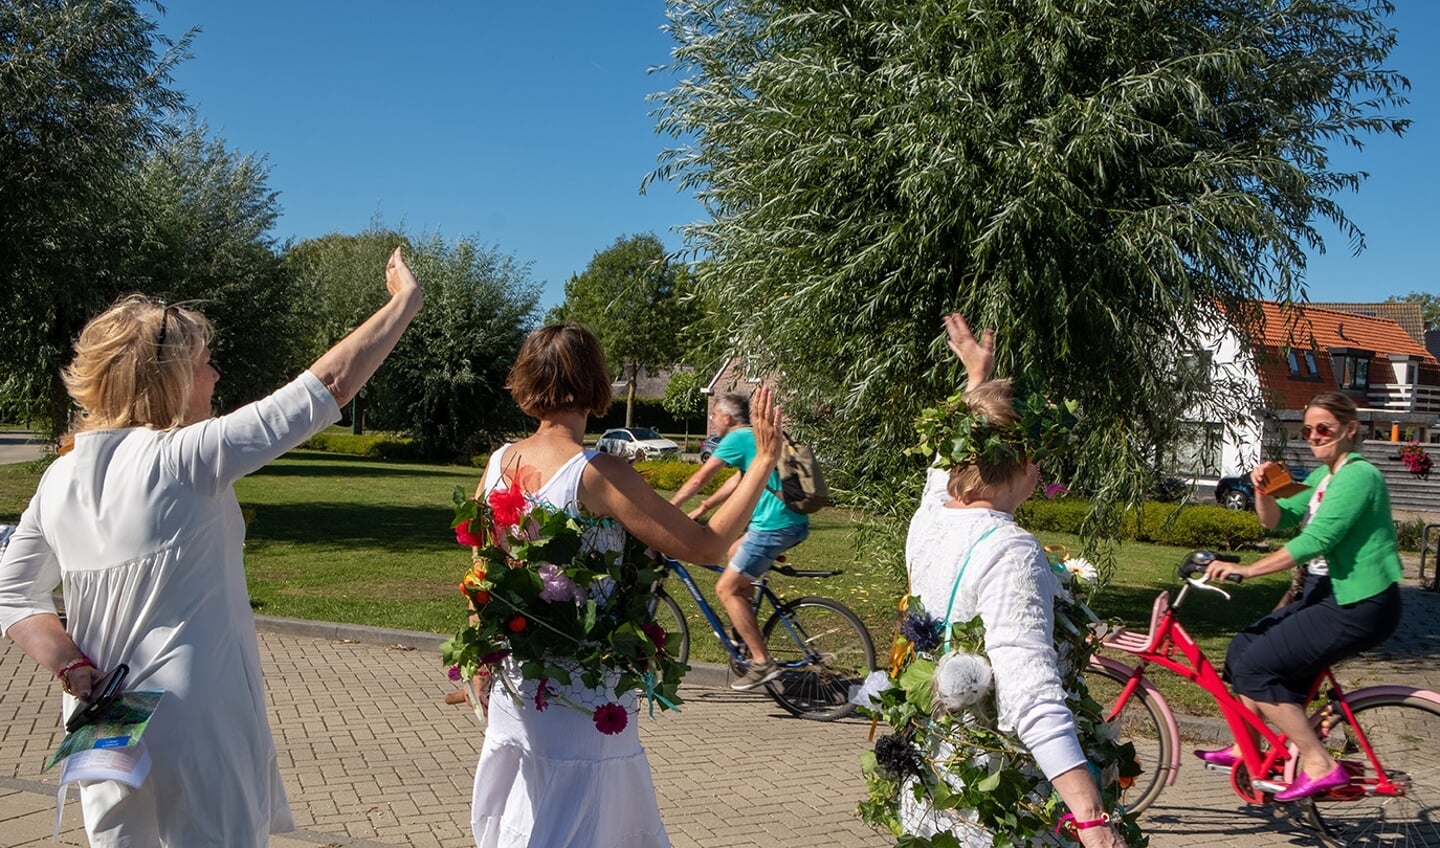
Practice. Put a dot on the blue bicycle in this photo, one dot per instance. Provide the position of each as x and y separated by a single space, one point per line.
822 646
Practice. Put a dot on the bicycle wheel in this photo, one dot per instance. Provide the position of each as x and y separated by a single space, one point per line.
825 650
666 613
1140 724
1402 732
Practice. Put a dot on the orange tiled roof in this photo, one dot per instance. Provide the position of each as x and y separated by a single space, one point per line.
1314 328
1409 316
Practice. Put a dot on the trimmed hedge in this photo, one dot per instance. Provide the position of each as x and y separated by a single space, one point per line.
378 446
670 474
1196 526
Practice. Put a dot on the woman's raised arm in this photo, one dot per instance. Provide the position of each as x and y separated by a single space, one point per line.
611 487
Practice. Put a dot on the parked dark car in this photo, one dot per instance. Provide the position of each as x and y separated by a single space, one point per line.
707 447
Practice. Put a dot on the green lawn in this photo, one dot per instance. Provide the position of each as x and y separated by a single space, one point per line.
340 538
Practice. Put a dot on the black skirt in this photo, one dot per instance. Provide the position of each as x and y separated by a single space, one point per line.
1276 659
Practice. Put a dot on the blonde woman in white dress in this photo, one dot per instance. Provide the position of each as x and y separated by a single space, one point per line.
138 520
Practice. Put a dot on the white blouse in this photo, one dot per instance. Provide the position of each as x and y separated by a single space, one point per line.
1008 583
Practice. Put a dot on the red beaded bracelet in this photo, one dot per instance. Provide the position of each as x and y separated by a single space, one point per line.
1070 826
64 673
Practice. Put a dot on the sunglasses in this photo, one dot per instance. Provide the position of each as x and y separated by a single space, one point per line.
164 324
1324 430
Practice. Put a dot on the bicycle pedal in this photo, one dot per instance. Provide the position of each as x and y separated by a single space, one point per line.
1269 786
1215 767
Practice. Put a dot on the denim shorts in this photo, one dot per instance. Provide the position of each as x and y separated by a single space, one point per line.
759 548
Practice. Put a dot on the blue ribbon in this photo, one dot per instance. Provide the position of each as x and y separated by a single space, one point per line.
651 696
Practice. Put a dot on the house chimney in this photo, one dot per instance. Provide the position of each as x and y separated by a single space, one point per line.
1340 330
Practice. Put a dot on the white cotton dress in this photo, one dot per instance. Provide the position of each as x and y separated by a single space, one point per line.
143 528
1008 583
550 779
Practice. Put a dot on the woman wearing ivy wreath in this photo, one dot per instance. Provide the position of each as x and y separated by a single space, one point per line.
545 776
971 565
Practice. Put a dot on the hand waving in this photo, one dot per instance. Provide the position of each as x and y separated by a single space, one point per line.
398 278
765 424
978 357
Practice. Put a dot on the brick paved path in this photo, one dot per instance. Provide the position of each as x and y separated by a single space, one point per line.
371 756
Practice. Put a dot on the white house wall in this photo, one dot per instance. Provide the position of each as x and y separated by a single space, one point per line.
1232 375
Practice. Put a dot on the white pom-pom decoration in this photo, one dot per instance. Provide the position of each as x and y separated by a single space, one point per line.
961 680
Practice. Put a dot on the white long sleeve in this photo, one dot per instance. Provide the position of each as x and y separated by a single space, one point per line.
1007 582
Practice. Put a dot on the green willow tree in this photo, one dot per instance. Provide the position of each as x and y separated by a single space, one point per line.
633 297
1092 178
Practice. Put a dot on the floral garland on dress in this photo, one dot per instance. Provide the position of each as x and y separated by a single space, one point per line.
936 702
545 600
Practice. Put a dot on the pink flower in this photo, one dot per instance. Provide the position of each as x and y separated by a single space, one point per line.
507 505
611 718
465 534
655 632
1055 490
454 672
558 587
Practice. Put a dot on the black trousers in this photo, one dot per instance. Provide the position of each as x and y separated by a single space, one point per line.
1275 660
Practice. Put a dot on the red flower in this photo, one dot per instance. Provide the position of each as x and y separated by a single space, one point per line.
495 656
507 505
611 718
542 694
655 632
516 624
481 597
465 534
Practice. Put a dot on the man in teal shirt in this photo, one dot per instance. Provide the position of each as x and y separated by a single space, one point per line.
774 529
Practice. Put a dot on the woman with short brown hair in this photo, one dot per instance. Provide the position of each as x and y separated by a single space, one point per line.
545 777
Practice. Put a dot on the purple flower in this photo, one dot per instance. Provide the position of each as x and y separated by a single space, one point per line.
1055 490
495 656
454 672
558 587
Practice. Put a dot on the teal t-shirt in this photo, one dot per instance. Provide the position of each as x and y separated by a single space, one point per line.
771 513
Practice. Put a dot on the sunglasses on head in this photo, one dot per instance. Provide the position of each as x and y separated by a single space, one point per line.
164 323
1324 430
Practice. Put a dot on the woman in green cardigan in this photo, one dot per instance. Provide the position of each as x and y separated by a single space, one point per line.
1351 599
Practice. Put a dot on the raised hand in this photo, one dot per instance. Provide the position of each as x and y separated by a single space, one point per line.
765 424
978 357
398 278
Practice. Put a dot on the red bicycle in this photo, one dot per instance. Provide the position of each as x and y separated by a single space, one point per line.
1385 736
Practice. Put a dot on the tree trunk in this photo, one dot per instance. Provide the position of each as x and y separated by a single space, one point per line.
630 399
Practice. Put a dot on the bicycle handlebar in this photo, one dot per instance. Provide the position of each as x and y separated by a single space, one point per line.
1198 561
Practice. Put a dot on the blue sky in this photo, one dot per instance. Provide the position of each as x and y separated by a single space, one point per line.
526 126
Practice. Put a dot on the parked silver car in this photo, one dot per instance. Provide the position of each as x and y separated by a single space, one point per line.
635 443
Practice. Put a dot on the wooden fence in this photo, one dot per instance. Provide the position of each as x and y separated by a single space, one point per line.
1408 493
